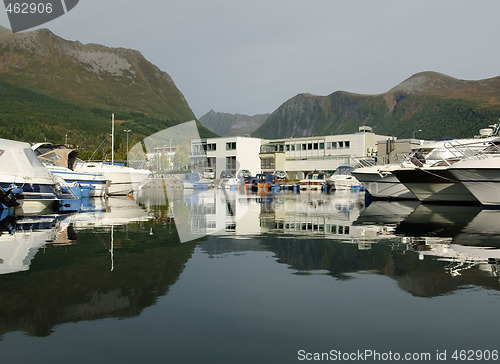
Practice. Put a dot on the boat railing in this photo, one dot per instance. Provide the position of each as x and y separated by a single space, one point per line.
472 150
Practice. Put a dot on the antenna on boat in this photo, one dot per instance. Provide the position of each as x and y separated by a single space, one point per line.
112 139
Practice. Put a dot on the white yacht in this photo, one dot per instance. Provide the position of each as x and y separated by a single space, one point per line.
313 181
61 161
27 185
123 180
481 176
381 183
429 176
342 179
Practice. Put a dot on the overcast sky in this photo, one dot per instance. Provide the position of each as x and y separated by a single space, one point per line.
249 57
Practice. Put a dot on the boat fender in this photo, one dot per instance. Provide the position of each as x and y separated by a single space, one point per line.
8 198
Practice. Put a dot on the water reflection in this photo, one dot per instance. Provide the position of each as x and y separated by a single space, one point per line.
394 231
121 255
110 261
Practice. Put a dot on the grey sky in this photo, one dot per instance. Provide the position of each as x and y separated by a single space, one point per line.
251 56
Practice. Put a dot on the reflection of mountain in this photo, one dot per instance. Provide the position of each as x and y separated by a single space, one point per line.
429 277
75 282
426 278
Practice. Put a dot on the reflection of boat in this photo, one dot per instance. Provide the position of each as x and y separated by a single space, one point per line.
483 230
195 181
20 239
437 220
60 161
386 212
342 179
114 210
461 257
313 181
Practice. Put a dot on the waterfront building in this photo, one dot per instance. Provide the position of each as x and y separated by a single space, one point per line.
226 154
296 156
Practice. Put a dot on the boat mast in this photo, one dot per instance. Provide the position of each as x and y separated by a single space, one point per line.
112 139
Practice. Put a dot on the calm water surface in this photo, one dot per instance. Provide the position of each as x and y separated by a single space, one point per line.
269 279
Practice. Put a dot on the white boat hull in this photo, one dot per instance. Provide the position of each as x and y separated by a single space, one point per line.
123 180
481 177
382 185
434 185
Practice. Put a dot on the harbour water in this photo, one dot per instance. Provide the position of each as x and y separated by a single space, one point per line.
279 278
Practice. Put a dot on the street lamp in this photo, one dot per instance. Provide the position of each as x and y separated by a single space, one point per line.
170 167
127 131
415 132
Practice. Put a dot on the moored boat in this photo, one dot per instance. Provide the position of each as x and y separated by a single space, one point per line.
61 161
195 181
379 181
123 180
27 185
342 179
313 181
264 181
481 176
428 176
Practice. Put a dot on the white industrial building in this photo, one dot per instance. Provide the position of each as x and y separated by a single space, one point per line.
226 153
296 156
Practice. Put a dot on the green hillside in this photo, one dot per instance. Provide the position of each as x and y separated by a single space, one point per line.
33 117
52 89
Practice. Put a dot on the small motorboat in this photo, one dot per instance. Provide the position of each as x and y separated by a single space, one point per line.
342 179
313 181
195 181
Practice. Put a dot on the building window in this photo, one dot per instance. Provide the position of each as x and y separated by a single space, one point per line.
341 145
321 145
231 146
211 162
347 144
267 163
212 146
315 146
231 164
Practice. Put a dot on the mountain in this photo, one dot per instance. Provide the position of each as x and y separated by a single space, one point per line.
438 105
225 124
51 87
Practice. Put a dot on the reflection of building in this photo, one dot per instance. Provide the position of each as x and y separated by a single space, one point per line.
296 156
221 213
